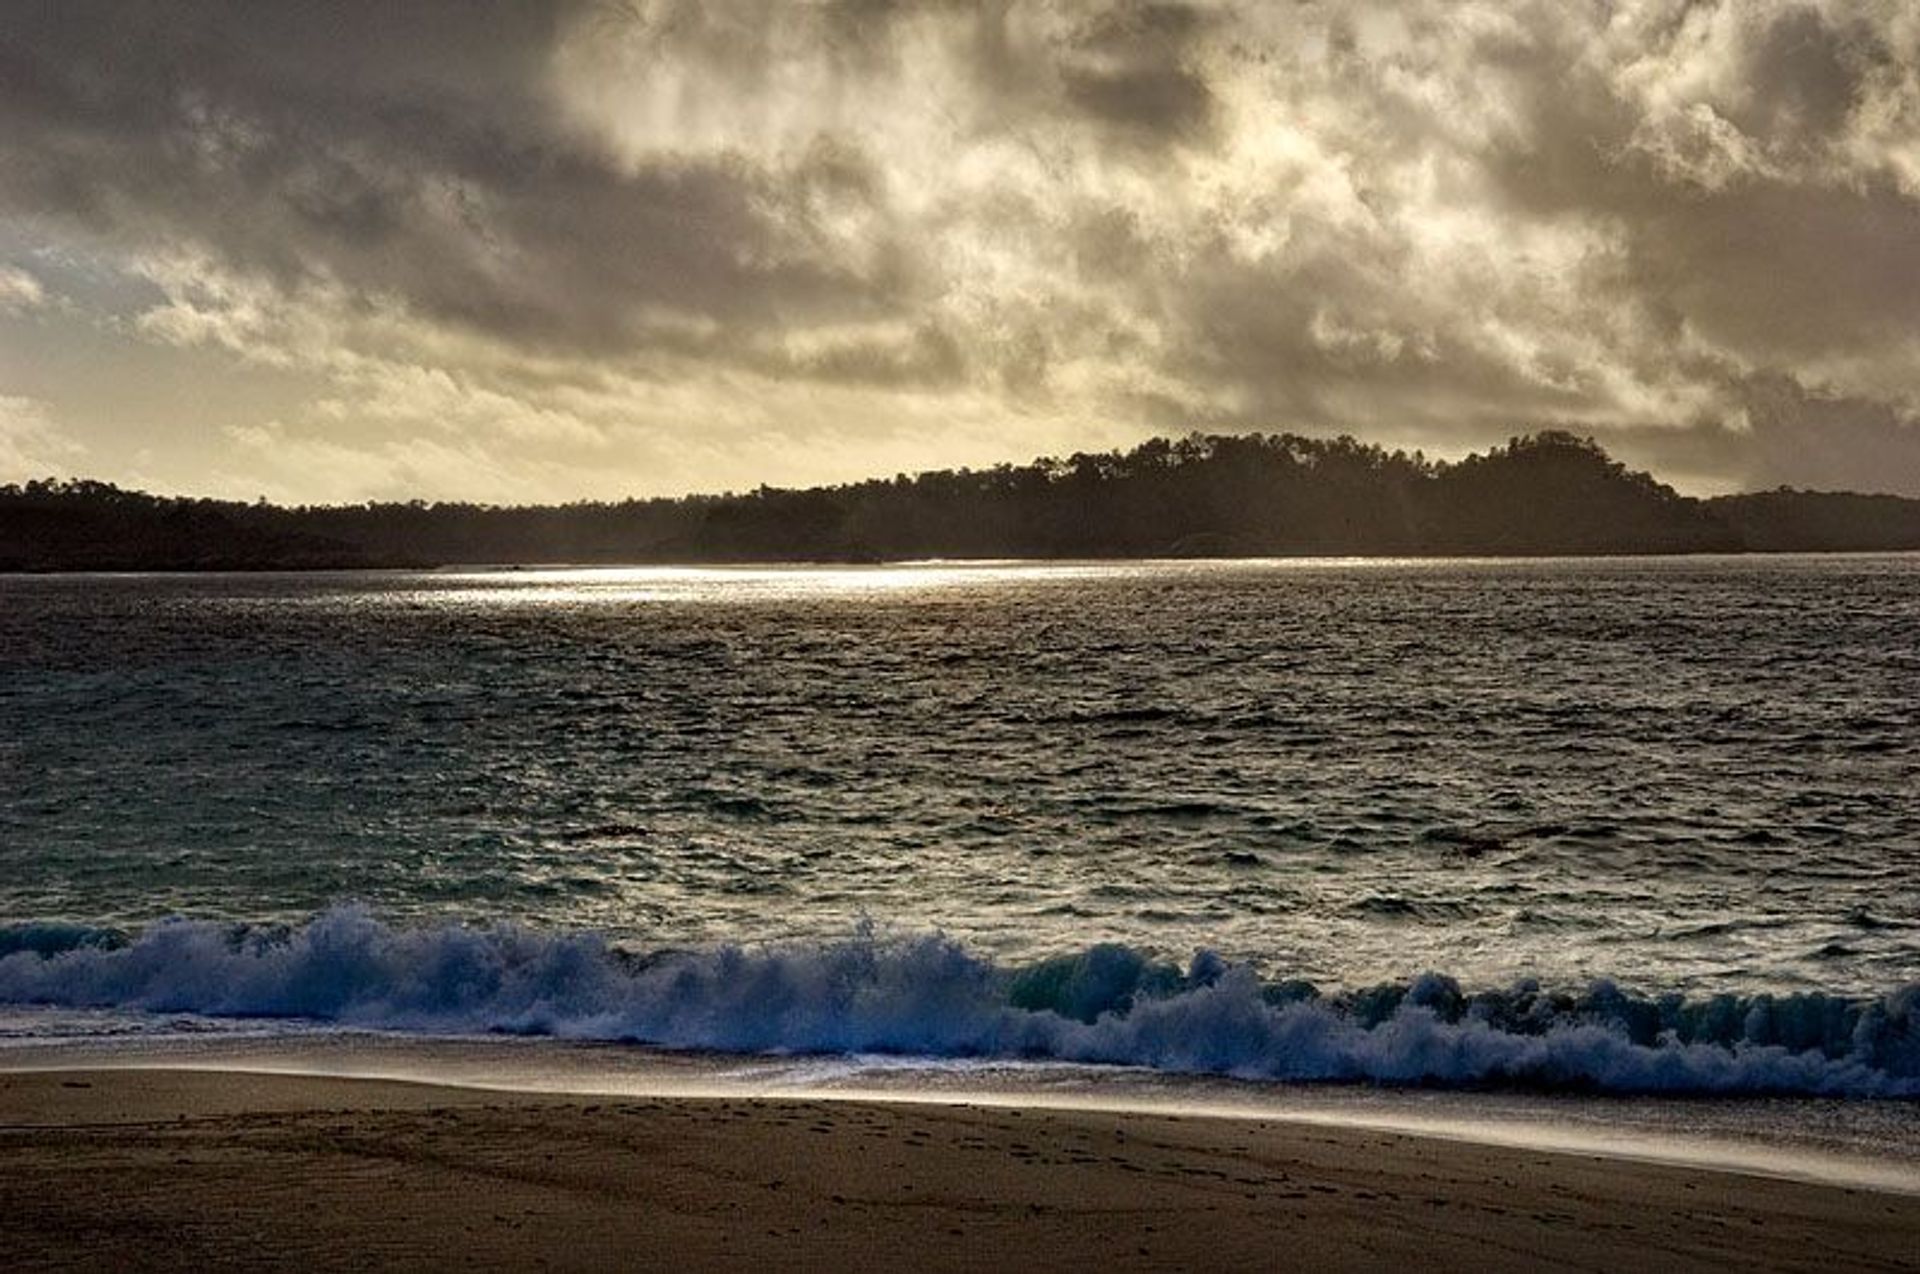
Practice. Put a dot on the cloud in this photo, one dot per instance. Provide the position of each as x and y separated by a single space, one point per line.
1128 68
31 446
1831 441
617 242
399 165
19 291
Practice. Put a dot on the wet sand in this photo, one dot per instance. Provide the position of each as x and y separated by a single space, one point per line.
172 1169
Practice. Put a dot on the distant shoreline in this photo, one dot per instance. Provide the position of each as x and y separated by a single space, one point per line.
1202 497
797 564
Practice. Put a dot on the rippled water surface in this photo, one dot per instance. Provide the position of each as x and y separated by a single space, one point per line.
1689 774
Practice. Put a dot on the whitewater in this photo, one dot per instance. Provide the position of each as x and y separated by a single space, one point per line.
1602 827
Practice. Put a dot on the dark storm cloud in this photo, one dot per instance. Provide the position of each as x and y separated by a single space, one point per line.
1802 76
1129 69
409 151
1787 435
1832 441
1157 101
1778 257
1781 270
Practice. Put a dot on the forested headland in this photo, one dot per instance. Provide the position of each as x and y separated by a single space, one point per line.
1204 495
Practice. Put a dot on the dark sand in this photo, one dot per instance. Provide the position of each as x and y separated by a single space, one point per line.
166 1169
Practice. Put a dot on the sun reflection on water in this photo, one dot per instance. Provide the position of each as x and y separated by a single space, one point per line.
602 585
573 586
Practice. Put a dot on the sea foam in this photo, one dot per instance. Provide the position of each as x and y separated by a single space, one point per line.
928 995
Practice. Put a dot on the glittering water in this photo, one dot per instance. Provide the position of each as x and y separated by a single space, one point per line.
1686 774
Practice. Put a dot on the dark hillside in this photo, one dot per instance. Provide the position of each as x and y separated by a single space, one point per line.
1820 521
92 526
1205 495
1556 493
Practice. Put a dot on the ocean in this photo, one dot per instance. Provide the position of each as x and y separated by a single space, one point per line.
1608 826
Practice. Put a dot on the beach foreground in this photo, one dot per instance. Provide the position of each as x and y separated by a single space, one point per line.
173 1169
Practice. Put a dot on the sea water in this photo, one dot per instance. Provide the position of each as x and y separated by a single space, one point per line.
1631 825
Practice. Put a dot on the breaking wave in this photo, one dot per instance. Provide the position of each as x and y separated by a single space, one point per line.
928 995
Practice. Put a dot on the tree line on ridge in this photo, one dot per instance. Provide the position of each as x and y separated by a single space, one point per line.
1204 495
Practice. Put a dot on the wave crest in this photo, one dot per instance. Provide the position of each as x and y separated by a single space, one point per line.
929 995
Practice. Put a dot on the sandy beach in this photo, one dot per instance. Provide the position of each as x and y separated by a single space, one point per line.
170 1169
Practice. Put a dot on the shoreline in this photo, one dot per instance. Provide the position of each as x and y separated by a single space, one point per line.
1858 1143
1340 1108
165 1168
462 567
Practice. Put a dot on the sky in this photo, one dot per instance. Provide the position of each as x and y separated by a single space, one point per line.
515 251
